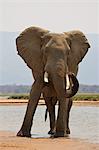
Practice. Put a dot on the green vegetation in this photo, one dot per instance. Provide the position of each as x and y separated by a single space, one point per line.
19 96
86 97
78 97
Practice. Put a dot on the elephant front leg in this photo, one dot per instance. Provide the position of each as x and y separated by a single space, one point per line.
61 125
31 108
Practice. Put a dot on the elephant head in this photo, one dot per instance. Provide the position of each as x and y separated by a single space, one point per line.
52 55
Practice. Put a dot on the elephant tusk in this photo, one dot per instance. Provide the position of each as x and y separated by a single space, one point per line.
72 85
67 82
46 77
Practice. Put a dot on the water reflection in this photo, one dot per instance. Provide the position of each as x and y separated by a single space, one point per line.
84 121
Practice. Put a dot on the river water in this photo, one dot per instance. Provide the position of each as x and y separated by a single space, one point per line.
84 121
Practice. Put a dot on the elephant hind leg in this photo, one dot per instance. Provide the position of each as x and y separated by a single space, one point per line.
52 121
51 110
68 114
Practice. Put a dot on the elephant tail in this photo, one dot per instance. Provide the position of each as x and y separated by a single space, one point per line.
46 111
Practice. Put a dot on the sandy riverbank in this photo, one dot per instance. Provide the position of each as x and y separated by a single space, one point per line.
42 102
8 141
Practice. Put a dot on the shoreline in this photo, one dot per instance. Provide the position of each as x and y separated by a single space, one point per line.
42 102
9 141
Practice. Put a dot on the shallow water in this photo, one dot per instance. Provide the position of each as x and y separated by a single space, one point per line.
84 121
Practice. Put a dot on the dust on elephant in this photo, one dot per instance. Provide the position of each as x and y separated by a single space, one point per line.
47 53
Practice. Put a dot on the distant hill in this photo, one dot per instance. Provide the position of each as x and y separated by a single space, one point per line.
88 88
8 89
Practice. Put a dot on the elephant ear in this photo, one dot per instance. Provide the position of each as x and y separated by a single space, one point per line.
29 46
78 46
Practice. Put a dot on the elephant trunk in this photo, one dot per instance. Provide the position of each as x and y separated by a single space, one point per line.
72 85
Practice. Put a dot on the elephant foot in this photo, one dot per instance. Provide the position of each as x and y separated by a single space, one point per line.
68 131
23 134
60 134
52 132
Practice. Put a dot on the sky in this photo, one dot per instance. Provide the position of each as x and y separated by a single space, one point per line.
56 16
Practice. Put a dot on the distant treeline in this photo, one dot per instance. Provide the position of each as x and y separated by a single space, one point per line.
7 89
89 88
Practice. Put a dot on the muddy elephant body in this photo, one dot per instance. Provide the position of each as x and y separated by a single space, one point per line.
52 54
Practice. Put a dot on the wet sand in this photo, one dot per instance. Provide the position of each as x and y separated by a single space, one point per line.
9 141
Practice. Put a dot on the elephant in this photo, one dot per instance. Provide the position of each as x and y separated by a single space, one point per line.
49 56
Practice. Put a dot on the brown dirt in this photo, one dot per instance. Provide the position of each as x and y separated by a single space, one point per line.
8 141
41 102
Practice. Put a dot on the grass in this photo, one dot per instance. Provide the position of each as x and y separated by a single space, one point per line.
86 97
77 97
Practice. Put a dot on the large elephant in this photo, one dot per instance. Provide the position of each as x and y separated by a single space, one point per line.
49 56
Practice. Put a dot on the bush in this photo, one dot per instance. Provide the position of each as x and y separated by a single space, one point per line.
24 96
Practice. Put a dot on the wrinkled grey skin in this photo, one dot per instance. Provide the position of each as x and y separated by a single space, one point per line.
56 54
